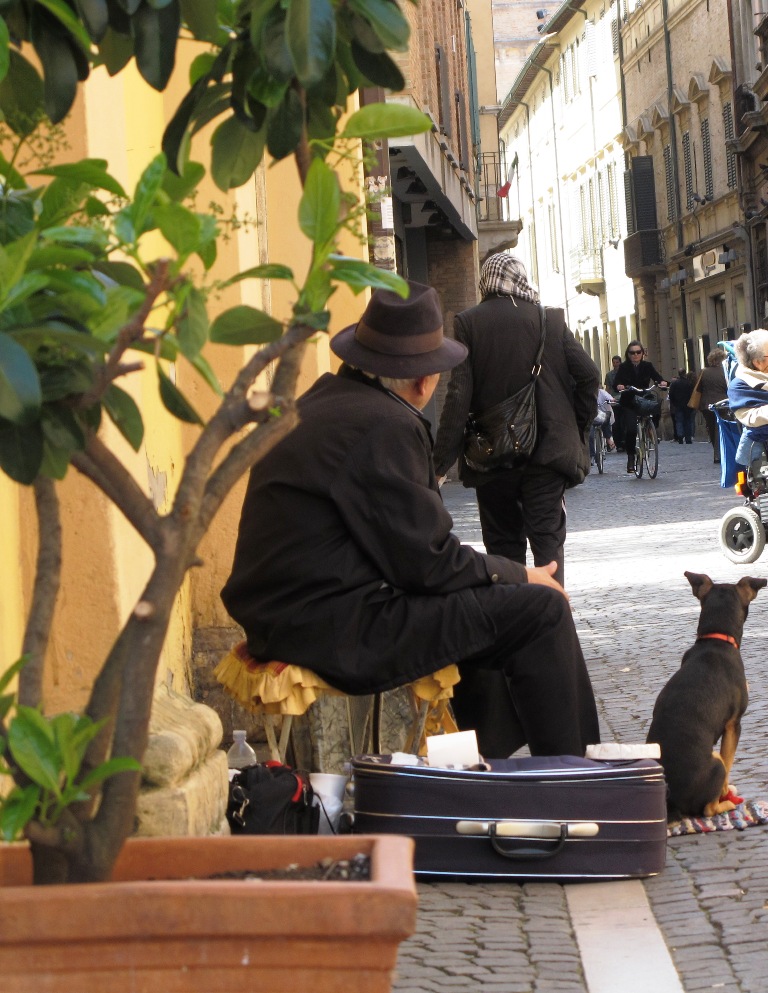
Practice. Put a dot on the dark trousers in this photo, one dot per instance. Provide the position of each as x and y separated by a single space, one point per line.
713 432
532 685
525 507
684 423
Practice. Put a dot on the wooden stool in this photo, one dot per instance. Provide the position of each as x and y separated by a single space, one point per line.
280 690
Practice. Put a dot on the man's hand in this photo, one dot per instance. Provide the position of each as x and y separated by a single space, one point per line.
542 575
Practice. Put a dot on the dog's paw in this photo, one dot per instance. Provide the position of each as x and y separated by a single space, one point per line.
719 807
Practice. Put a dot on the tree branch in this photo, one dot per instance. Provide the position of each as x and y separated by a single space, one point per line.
128 335
44 593
107 472
241 458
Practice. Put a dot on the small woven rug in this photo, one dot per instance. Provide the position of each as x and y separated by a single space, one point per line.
747 814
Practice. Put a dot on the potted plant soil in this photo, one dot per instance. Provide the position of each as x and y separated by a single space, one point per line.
85 304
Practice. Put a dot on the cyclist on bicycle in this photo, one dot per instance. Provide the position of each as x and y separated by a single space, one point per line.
634 371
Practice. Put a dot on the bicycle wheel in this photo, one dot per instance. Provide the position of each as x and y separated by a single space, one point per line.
650 448
640 448
600 448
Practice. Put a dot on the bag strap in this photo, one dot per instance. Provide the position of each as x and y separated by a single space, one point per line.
537 361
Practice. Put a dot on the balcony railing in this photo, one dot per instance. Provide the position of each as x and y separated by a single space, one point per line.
492 173
643 252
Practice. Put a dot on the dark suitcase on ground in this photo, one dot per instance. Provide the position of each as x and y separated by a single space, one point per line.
562 817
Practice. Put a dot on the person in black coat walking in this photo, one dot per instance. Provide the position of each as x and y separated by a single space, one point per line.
346 561
525 506
680 392
502 334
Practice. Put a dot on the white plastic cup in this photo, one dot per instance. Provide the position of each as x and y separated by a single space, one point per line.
329 796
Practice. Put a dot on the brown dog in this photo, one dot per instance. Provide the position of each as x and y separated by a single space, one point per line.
704 701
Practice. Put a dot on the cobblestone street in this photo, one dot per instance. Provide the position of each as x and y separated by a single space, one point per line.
629 543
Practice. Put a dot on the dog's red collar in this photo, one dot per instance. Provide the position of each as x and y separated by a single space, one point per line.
720 637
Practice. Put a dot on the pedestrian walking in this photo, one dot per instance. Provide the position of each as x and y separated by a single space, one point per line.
680 391
522 506
713 389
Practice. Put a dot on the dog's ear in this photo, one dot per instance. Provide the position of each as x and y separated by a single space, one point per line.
700 584
749 587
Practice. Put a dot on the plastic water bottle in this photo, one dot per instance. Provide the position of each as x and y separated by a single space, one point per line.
240 754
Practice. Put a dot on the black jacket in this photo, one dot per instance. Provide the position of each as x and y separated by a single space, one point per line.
345 558
640 375
502 336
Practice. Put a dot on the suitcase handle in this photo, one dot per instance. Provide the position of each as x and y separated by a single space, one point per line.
499 831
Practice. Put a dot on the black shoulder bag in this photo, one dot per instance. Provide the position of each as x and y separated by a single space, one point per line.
504 436
271 799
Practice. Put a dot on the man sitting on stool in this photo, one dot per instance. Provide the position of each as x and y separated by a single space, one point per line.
346 563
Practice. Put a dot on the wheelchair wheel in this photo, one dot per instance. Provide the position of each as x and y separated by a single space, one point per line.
742 535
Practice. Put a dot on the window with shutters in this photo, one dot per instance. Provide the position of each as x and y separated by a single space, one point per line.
444 89
566 76
584 216
706 147
730 155
614 224
669 181
614 29
688 170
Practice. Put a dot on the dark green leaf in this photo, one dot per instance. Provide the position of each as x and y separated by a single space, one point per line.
92 172
315 295
192 326
377 68
387 20
175 402
201 18
154 36
318 320
360 276
244 325
123 273
236 154
180 227
320 203
62 437
21 451
17 810
21 95
265 89
311 32
59 381
110 768
82 283
59 68
4 47
17 218
146 192
59 255
61 334
115 51
12 671
6 703
24 288
275 54
203 367
125 414
20 395
95 16
179 188
175 135
271 271
285 125
385 120
65 17
30 740
93 207
122 302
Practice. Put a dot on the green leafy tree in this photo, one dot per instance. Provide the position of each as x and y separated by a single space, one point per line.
79 296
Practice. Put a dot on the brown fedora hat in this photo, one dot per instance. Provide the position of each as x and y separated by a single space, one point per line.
400 339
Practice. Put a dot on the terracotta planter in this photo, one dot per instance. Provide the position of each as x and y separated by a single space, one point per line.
154 930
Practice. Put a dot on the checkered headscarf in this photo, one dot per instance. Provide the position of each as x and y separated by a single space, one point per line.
504 275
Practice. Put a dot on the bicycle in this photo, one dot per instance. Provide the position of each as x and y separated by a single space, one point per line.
598 444
647 452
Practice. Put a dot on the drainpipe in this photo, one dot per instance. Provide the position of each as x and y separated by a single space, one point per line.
559 196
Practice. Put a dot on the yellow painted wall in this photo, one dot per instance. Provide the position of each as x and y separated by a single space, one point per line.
106 565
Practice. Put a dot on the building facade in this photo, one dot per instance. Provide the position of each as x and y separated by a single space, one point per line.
562 122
